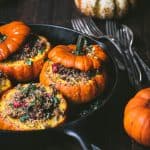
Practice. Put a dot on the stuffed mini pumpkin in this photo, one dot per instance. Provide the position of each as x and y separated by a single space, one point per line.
32 107
104 9
26 64
12 36
76 71
137 117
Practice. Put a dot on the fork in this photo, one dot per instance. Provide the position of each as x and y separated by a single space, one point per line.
136 58
87 26
118 32
124 35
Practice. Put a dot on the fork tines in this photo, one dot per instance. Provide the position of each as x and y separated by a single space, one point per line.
86 25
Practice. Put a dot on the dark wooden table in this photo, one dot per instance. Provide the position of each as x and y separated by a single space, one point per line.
105 128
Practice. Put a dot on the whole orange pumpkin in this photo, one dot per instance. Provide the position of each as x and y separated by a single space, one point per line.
137 117
76 71
12 36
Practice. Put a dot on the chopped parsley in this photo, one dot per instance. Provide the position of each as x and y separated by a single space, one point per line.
29 62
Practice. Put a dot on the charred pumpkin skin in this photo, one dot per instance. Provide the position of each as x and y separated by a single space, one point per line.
8 123
21 71
78 93
137 117
5 83
62 54
15 33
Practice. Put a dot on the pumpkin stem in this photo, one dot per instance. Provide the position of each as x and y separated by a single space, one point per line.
81 43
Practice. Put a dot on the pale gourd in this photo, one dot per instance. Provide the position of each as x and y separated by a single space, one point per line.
105 9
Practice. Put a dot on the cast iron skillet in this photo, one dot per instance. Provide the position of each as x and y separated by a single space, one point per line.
60 35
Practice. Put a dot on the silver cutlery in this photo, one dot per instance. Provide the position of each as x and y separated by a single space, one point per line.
87 26
125 40
145 67
124 35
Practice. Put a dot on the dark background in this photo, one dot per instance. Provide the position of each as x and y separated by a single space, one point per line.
105 128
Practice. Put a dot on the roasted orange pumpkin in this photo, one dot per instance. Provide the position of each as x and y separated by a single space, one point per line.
76 71
26 64
137 117
80 88
5 83
12 36
32 107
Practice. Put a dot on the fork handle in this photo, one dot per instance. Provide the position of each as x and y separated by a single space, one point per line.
130 63
135 72
132 68
145 68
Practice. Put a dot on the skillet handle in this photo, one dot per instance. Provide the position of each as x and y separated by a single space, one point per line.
81 139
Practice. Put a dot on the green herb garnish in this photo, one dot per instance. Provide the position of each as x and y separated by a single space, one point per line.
25 90
32 87
40 51
55 100
11 105
24 118
29 62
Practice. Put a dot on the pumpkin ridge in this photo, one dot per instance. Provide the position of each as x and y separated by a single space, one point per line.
105 9
14 41
132 123
142 128
3 53
8 50
96 8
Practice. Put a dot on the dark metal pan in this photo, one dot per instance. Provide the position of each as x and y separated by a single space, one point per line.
60 35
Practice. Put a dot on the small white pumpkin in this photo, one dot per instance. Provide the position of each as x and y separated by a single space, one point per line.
104 9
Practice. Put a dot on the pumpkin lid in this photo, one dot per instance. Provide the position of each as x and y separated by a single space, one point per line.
79 56
12 35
